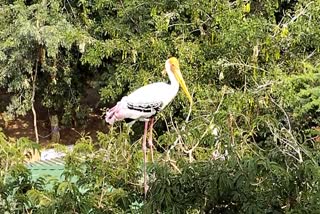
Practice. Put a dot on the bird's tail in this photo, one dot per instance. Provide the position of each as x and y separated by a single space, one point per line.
111 114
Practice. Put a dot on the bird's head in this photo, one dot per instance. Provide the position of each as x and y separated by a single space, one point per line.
172 65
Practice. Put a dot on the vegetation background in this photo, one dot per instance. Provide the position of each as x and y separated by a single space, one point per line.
251 144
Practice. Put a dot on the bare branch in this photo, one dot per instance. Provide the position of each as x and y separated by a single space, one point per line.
285 113
208 128
302 12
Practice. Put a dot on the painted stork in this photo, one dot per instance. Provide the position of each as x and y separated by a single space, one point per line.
144 103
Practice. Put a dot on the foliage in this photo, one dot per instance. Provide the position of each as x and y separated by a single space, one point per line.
38 43
250 144
253 185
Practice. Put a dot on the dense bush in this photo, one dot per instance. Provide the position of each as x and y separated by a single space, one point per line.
109 180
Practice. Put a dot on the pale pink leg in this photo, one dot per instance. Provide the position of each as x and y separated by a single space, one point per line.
144 149
150 137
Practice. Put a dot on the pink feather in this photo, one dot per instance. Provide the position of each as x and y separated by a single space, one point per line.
114 114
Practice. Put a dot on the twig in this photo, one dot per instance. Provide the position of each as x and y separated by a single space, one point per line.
230 121
285 113
101 196
172 163
302 12
123 7
288 143
180 24
74 16
310 55
243 65
208 128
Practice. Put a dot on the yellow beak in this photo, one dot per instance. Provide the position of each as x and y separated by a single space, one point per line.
182 83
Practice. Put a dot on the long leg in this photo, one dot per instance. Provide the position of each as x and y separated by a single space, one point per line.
150 137
144 149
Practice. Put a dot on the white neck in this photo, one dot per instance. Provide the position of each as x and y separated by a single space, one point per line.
173 81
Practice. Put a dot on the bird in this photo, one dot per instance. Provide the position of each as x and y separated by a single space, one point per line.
145 102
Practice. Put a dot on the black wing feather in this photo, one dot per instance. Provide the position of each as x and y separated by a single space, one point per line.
145 107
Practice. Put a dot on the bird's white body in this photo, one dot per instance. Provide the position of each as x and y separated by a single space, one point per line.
151 94
146 101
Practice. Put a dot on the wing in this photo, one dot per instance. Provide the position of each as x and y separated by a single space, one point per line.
143 103
145 107
150 97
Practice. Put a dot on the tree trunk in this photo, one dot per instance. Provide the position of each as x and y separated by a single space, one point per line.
54 120
34 79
